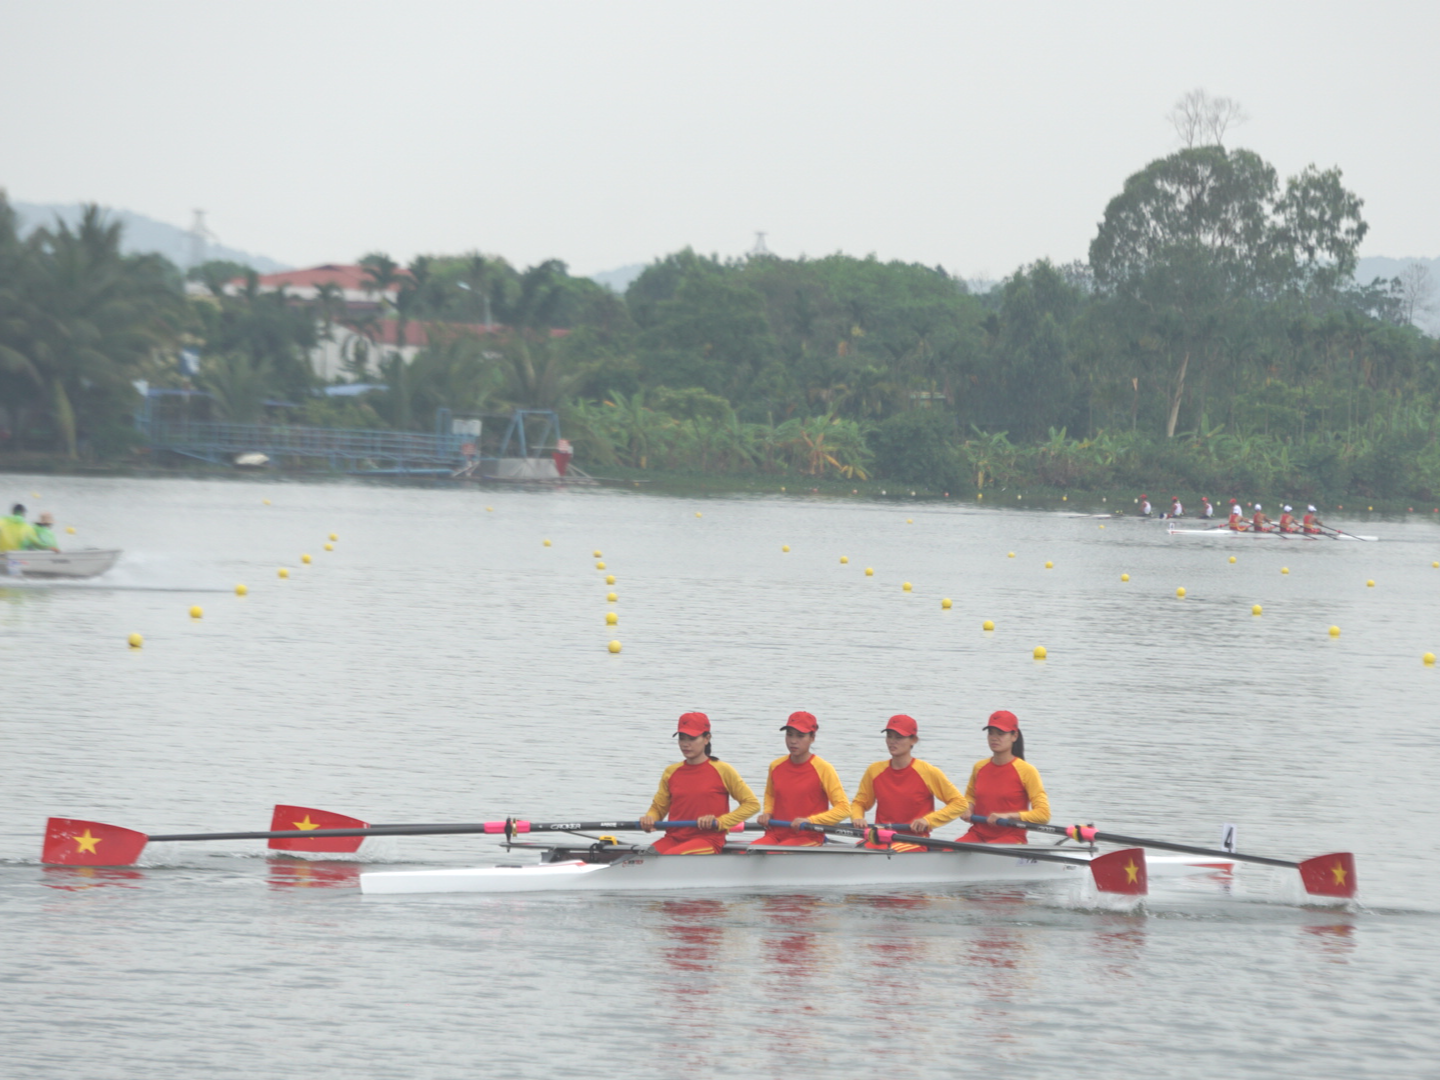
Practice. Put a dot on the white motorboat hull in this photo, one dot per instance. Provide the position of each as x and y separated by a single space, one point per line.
1222 531
843 868
88 563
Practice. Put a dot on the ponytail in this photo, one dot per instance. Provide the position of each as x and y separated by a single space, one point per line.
1019 748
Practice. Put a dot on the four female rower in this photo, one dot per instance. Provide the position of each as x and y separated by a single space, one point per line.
1259 522
801 787
698 789
1287 521
1310 523
905 789
1237 516
1004 785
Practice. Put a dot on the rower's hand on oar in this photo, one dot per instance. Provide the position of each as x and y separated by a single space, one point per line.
708 822
920 827
967 816
763 821
647 823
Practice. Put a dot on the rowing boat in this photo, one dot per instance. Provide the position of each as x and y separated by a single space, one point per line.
88 563
1273 534
565 868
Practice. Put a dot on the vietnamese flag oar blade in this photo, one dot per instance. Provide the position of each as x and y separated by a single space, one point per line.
1329 875
305 818
1121 871
72 842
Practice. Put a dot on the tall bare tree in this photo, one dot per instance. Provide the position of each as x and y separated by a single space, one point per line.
1202 120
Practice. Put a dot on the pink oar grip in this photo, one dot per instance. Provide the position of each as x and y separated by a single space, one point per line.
885 835
499 826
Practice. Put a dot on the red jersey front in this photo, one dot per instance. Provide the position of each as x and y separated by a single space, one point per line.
1012 790
688 792
901 795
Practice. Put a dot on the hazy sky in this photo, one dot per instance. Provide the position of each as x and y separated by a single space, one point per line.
979 136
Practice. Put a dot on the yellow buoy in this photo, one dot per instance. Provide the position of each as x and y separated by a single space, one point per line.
265 501
1334 631
489 509
1255 609
697 514
1369 508
1284 569
844 559
1180 592
1232 558
784 547
611 597
1039 653
135 641
945 603
906 586
614 646
334 537
1049 565
909 521
305 559
283 572
979 495
331 547
1011 555
869 571
1435 565
545 542
609 579
1370 584
1064 498
611 618
988 624
71 530
599 566
1102 526
197 612
597 554
1428 659
1124 577
241 590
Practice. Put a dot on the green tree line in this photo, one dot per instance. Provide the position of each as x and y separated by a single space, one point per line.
1214 340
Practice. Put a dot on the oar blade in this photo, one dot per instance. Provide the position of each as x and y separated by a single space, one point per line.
307 818
1121 872
73 842
1329 875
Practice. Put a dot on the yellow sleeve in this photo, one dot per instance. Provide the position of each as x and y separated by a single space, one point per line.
740 792
941 787
1039 812
839 804
769 804
865 794
661 803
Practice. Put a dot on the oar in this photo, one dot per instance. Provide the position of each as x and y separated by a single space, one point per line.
1116 872
1352 536
73 842
1324 875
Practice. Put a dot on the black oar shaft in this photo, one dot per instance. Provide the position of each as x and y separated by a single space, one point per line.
414 830
1136 841
1012 851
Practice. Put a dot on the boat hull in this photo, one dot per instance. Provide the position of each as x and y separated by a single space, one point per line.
847 868
1223 532
59 564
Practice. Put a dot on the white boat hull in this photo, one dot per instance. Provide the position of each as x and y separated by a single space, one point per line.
1222 531
846 868
88 563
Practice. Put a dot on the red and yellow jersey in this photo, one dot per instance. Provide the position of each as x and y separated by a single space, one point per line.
1309 523
811 791
688 792
1014 791
902 795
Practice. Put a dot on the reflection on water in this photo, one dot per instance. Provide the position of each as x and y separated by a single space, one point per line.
1333 941
309 874
80 878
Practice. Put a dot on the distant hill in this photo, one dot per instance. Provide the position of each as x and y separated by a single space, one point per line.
142 234
619 280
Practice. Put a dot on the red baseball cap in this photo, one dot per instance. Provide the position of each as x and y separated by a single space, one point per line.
1004 720
902 725
802 722
693 723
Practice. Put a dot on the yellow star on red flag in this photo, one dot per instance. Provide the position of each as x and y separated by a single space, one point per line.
1339 871
305 825
87 842
1132 872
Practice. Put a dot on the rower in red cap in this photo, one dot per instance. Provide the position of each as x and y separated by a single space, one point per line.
698 789
904 790
1004 785
801 786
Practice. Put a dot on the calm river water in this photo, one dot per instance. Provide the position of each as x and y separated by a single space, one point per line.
443 664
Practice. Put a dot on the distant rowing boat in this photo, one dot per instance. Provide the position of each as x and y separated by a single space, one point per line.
570 868
1272 534
91 562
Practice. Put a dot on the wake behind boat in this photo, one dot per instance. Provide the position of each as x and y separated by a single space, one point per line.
87 563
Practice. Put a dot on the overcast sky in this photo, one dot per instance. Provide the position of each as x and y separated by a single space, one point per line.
977 136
